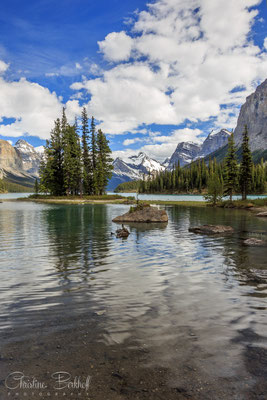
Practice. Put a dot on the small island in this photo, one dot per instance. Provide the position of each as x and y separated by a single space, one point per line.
143 213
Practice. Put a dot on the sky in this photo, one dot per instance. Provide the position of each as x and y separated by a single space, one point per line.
152 74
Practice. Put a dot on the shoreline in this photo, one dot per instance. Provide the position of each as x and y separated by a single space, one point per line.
249 206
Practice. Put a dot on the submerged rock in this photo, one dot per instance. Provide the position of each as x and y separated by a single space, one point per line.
262 214
143 213
255 242
211 229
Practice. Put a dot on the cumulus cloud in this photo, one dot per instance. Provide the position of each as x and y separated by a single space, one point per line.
32 106
128 142
186 59
117 46
3 67
162 146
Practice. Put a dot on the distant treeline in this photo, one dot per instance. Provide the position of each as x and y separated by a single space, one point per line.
74 164
11 187
197 176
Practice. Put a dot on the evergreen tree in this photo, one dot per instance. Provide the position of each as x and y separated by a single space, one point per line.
36 186
230 169
87 170
245 178
104 162
51 169
93 156
72 161
215 190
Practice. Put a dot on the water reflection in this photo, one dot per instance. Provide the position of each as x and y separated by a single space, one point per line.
78 239
166 286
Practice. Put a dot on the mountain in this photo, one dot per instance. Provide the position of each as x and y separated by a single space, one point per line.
30 157
19 164
184 153
133 168
254 114
9 157
214 141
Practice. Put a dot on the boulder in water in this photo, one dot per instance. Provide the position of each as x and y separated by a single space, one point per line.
255 242
211 229
262 214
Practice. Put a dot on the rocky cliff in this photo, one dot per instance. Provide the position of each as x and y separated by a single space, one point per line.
19 164
30 157
184 153
9 157
214 141
254 114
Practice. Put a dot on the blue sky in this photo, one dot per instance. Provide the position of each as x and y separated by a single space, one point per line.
153 75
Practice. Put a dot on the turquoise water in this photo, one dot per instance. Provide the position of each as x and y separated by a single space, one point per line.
169 197
6 196
176 197
161 286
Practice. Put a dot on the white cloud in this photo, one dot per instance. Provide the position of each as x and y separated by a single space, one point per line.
128 142
130 94
162 146
193 54
3 67
10 142
33 107
265 43
50 74
117 46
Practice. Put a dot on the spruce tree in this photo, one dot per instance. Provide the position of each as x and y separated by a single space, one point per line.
230 169
93 156
104 162
214 189
245 177
87 171
36 186
72 161
51 169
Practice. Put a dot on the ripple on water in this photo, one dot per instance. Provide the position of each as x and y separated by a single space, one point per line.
165 286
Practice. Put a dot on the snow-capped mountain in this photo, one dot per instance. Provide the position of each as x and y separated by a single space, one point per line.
185 153
15 163
133 168
214 141
30 157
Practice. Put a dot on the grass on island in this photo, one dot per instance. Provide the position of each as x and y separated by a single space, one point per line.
118 199
106 198
249 203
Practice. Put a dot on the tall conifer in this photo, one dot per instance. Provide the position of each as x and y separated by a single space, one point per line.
230 169
104 162
86 159
245 177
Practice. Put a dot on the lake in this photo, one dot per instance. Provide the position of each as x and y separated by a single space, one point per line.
162 197
163 314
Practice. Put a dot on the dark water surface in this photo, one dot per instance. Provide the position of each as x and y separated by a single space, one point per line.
197 303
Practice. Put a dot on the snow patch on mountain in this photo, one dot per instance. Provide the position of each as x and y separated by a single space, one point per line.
133 168
30 157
